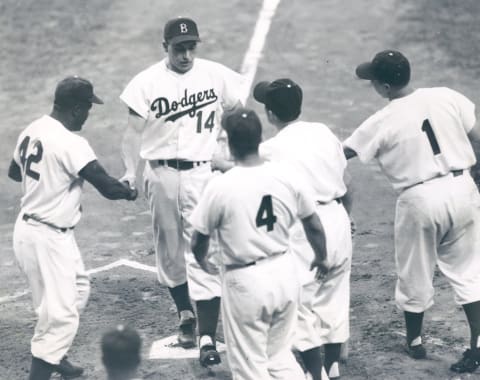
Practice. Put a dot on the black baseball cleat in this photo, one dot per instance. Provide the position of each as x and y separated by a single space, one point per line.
209 355
416 352
468 363
186 334
67 370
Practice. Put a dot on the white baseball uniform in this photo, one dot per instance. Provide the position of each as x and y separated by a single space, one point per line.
50 158
182 113
316 154
252 208
420 142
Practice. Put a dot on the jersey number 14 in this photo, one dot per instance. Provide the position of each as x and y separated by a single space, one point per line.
265 215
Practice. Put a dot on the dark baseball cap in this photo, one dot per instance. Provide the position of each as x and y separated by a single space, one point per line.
179 30
282 96
243 127
388 66
74 89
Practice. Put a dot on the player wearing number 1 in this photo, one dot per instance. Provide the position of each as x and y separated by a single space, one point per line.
423 140
175 108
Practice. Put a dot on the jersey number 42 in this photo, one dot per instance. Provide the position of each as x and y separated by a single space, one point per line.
33 157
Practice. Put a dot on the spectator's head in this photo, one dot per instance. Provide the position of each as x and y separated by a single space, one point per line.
244 132
121 348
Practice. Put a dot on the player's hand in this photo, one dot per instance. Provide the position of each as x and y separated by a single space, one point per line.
128 179
209 267
219 162
133 192
321 268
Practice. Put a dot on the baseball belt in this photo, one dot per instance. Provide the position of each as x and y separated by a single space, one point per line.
180 164
238 266
26 217
455 173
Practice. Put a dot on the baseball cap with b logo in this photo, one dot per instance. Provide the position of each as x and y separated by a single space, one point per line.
282 96
388 66
74 89
180 30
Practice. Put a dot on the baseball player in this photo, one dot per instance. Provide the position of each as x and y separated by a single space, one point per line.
121 348
175 108
253 206
52 163
422 142
315 153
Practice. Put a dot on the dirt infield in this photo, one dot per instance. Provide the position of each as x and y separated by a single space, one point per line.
316 43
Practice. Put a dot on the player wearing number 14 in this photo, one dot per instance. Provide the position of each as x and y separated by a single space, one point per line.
175 108
423 141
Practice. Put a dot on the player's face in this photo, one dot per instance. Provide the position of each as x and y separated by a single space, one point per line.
80 114
181 56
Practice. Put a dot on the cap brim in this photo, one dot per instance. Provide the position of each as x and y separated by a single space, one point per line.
179 39
260 91
95 99
364 71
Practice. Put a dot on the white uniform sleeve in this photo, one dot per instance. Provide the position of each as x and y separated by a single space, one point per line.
234 85
134 95
365 140
206 215
77 155
466 110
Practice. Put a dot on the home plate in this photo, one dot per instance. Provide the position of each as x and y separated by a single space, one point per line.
168 348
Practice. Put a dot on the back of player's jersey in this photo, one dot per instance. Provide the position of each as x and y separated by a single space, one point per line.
313 152
49 157
258 207
419 136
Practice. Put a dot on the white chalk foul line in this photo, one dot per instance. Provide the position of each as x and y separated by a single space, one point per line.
254 52
103 268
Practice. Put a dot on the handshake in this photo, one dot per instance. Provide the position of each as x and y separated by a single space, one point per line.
130 185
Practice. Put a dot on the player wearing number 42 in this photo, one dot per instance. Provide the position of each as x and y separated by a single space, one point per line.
52 163
423 141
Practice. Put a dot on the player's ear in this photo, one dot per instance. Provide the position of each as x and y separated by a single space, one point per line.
165 46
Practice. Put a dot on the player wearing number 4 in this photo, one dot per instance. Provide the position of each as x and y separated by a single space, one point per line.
422 140
52 163
253 206
175 108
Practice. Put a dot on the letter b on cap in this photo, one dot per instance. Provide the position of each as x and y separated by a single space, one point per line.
183 28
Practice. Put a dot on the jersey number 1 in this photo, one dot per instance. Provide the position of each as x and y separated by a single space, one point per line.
265 215
427 128
32 158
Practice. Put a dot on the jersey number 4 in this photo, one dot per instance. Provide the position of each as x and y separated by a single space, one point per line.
27 161
265 215
427 128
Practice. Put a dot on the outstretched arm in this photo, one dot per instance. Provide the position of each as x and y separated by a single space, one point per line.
131 143
106 185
